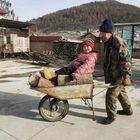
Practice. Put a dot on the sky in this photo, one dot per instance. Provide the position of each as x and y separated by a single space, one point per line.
30 9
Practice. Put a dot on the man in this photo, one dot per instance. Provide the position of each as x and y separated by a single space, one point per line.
117 71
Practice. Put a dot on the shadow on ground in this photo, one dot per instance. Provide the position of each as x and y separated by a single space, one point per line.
98 119
26 106
19 105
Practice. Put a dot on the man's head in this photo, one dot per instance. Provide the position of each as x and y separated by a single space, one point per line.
106 30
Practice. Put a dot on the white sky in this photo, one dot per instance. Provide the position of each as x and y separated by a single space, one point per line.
29 9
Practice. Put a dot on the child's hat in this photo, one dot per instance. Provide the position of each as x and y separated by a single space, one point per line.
88 43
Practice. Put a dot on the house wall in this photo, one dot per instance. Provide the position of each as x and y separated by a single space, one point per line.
14 40
42 44
19 32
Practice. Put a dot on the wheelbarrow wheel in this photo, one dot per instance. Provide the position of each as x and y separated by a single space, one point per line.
53 109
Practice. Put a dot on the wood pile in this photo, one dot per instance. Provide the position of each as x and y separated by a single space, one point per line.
66 50
63 52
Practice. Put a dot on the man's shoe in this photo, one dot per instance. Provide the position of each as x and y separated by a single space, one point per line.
123 112
108 120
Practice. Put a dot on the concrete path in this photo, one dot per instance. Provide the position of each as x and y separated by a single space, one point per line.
20 119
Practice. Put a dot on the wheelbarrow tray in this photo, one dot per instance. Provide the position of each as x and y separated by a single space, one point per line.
69 92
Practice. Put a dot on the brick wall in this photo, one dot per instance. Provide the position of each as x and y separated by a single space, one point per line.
42 44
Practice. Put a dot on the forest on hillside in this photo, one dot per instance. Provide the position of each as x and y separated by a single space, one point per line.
86 16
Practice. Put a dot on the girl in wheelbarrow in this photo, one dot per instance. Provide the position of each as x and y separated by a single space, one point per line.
84 64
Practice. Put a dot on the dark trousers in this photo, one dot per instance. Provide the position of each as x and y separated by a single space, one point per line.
65 70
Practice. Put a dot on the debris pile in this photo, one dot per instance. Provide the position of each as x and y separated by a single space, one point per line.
63 52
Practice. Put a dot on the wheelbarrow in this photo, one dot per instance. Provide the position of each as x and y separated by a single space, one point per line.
54 105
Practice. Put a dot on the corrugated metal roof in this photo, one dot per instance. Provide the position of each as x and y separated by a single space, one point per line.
14 24
128 24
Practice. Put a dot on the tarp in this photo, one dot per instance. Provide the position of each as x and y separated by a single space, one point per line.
3 11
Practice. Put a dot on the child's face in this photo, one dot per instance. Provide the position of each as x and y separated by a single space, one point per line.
87 49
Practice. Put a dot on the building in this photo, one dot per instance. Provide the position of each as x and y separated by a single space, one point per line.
127 32
14 36
43 44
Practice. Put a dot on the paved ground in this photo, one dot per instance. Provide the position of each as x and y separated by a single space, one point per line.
20 119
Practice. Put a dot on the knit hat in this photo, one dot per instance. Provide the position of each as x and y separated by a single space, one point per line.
88 43
107 26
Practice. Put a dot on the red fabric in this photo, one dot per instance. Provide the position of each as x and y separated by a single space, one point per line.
88 43
3 11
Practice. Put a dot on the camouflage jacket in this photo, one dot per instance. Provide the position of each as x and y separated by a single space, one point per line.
117 60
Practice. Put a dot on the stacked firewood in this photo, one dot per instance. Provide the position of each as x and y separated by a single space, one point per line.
63 52
66 50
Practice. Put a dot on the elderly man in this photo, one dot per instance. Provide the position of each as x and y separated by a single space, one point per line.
117 71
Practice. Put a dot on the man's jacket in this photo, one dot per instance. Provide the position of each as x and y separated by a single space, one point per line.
117 61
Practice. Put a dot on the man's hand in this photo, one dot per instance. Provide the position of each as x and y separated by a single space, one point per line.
127 81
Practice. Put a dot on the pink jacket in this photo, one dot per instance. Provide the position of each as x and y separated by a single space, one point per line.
85 64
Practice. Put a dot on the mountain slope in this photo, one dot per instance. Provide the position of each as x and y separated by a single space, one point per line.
86 16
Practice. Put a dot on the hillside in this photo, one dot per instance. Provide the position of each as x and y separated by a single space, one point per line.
86 16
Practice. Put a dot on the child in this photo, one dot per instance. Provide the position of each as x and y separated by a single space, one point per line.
82 65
